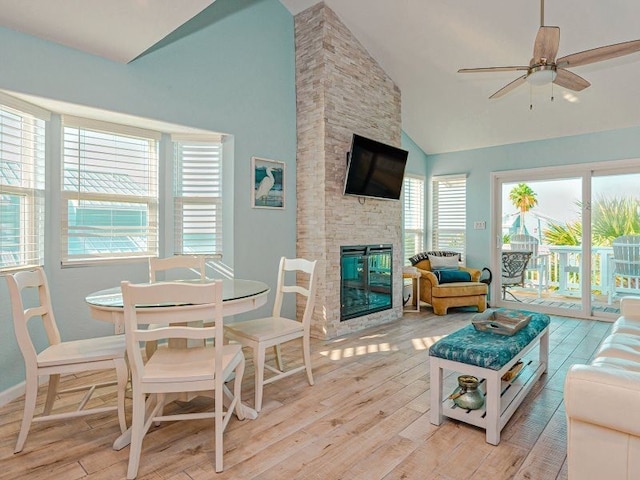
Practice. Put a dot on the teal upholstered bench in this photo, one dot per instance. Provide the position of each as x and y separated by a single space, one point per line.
488 356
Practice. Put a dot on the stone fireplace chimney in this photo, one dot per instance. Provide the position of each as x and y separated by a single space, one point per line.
340 91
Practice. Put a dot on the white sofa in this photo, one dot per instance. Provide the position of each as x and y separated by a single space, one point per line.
602 402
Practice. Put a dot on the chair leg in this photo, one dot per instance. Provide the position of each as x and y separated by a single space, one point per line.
31 395
137 434
258 363
219 427
52 391
122 374
306 350
278 353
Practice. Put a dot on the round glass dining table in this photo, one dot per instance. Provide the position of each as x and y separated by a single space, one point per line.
238 296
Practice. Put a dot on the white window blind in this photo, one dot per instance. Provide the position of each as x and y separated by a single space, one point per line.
198 197
413 213
22 183
449 213
109 191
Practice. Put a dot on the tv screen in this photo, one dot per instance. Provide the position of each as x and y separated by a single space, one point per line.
374 169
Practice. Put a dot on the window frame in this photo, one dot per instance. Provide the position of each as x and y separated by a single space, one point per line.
408 212
30 188
448 193
151 199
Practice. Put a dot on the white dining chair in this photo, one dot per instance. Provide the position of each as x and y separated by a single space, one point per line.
30 300
179 370
262 333
183 267
188 266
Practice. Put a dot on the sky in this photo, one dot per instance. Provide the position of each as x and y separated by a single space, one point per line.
557 198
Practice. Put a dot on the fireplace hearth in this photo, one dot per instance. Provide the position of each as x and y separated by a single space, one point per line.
365 280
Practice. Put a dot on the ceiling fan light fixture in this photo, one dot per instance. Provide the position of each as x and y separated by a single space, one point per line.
541 75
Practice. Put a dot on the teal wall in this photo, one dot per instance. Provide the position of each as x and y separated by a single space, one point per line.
234 73
596 147
417 159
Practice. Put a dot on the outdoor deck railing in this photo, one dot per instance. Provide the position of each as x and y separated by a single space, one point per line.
564 269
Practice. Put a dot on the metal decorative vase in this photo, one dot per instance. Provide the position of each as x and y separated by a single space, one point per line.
467 394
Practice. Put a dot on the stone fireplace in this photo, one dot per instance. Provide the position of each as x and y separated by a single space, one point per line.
341 90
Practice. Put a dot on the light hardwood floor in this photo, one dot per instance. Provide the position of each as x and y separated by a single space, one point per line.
367 417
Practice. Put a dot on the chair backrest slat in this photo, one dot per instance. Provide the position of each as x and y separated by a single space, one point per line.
193 263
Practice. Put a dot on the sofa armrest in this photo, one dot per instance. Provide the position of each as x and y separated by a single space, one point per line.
475 274
630 308
428 275
604 396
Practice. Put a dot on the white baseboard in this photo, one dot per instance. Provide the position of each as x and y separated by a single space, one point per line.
10 394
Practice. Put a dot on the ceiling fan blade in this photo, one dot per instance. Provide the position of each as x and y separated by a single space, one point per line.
546 44
492 69
570 80
599 54
509 86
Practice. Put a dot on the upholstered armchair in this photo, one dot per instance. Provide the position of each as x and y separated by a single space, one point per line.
444 283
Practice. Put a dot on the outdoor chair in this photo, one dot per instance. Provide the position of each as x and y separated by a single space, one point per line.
625 277
538 263
514 265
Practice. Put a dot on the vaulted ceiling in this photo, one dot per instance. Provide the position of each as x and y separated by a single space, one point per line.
421 44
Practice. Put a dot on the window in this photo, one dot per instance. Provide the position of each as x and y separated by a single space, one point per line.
109 191
413 213
449 213
198 197
22 163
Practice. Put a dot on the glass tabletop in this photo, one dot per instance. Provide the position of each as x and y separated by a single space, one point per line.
232 289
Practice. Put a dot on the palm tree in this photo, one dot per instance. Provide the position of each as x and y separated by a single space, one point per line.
611 217
524 199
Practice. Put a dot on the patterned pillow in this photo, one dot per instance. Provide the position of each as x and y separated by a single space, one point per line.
443 263
425 256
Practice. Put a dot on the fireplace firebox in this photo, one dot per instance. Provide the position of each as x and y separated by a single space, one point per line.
365 280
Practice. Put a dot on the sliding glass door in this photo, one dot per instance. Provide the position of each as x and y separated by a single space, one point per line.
567 239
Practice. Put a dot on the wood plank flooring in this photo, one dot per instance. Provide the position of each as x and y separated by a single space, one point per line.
366 417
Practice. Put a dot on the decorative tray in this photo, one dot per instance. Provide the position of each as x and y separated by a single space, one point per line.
502 323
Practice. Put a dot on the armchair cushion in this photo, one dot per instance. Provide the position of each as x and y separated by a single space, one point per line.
443 263
449 276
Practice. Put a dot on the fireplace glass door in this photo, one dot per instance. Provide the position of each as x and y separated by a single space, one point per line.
366 280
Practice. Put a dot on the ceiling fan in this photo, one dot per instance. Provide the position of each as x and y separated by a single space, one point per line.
545 68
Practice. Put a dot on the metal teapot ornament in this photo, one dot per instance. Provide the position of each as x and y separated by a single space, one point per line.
467 395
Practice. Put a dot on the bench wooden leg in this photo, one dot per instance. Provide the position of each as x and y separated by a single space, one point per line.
436 391
492 400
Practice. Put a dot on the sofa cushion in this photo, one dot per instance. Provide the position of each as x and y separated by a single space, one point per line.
449 276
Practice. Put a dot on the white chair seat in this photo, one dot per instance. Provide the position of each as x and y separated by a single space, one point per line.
83 351
268 328
188 364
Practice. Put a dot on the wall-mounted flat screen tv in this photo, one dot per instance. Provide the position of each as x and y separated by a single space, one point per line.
374 169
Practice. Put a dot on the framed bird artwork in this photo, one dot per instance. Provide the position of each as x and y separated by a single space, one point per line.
267 183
